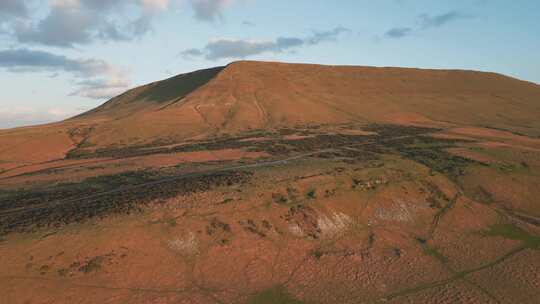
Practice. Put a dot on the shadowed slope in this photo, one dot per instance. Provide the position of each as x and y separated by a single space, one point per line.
156 94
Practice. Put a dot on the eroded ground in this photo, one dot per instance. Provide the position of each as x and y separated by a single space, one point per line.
349 214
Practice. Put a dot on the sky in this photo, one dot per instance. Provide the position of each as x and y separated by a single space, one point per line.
59 58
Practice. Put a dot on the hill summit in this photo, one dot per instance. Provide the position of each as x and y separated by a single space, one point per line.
245 96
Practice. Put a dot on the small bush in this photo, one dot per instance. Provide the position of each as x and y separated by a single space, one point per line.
311 194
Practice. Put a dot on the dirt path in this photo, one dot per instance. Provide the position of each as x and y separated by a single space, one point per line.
456 276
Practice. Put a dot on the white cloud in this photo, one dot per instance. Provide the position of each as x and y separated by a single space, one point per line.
15 116
65 3
155 5
102 88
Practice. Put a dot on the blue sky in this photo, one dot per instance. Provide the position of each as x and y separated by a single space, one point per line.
61 57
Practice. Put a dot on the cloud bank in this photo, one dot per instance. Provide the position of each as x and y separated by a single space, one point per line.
79 22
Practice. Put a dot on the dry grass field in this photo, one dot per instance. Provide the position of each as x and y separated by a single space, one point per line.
280 183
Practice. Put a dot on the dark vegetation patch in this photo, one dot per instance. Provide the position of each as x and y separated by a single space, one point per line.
436 198
330 192
276 145
73 202
311 194
480 194
275 295
389 130
432 153
217 226
279 198
506 167
433 252
97 197
81 134
259 230
225 201
371 184
306 218
92 265
352 156
87 187
325 141
292 196
317 253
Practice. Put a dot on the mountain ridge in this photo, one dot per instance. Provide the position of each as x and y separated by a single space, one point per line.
249 95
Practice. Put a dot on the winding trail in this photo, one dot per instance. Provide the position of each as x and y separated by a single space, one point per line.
260 109
457 276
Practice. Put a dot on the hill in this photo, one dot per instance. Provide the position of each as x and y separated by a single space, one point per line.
280 183
246 96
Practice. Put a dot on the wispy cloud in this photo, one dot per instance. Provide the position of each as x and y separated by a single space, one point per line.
398 32
425 22
94 75
237 48
192 53
13 8
101 88
209 10
14 116
433 21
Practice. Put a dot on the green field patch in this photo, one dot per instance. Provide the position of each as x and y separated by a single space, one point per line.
512 232
433 252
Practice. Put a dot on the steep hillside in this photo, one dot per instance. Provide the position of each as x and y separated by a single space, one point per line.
255 95
153 96
247 96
